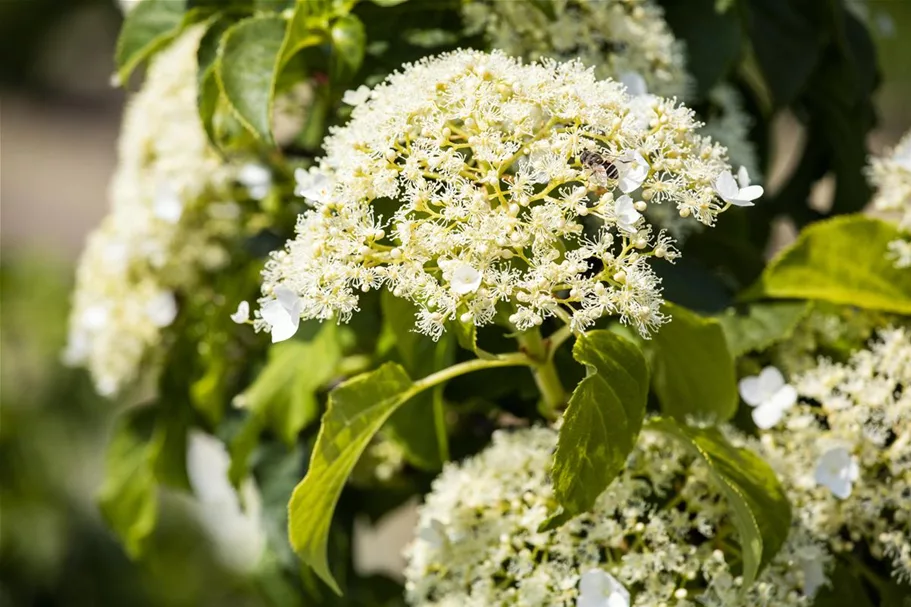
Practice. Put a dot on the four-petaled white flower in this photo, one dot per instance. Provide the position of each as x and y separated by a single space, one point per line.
357 96
627 215
737 192
434 534
837 469
283 313
313 185
243 313
633 169
162 309
167 205
598 588
465 279
770 396
256 178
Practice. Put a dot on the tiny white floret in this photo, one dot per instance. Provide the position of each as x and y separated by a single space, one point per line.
635 84
256 178
598 588
465 279
356 96
769 395
282 314
243 313
837 469
633 169
313 185
162 309
627 215
737 192
434 534
167 205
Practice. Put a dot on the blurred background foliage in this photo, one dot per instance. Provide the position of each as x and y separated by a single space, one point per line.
60 119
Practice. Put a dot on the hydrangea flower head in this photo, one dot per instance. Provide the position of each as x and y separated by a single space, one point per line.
459 185
478 542
169 220
624 39
843 453
891 176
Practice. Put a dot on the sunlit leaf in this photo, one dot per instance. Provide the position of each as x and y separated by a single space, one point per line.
146 29
761 325
601 423
693 370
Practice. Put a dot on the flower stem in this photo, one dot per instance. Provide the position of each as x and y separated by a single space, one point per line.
553 396
516 359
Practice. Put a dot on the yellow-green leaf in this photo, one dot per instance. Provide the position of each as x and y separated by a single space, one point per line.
146 29
761 324
842 261
247 70
357 410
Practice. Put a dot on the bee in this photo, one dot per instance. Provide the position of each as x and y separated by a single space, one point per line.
601 167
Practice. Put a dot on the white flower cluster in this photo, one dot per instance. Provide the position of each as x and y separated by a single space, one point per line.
628 40
168 212
470 184
891 176
660 535
844 452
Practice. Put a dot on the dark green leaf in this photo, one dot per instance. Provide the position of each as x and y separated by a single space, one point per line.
846 589
208 93
761 511
713 40
787 44
842 261
147 28
348 45
601 423
418 426
129 497
693 374
357 410
246 70
762 325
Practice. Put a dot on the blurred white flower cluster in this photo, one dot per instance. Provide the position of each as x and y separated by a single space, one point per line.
627 40
845 458
891 176
170 206
652 538
472 184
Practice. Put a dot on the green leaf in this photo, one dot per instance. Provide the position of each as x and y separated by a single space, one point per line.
304 29
713 39
418 426
842 261
761 512
146 29
128 499
284 394
762 325
388 2
601 423
148 449
357 410
693 374
247 69
348 46
208 94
